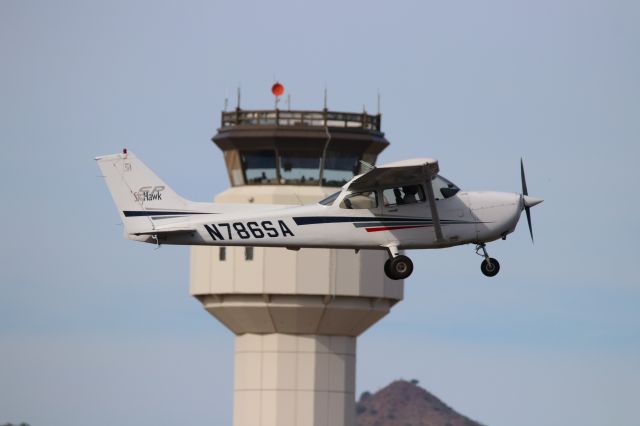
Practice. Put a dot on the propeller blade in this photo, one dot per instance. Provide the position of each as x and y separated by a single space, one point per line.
523 179
527 210
525 192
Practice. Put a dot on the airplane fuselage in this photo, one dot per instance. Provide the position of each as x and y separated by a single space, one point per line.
467 217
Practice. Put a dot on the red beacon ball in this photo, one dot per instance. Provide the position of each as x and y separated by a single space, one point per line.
277 89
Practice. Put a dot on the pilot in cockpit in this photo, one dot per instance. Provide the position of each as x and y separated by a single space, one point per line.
410 194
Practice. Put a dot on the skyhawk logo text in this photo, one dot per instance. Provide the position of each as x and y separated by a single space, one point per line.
148 193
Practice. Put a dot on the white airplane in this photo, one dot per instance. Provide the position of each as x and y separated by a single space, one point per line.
393 207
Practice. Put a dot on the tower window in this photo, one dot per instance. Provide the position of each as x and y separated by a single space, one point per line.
300 168
259 166
222 254
340 167
248 253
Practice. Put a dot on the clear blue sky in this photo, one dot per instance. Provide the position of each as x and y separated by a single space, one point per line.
98 330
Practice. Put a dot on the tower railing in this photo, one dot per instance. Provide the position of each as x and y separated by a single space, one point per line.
299 118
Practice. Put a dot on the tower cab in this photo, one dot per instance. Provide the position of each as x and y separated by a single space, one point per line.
298 148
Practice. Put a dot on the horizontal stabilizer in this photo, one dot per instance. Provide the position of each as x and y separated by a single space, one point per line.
173 231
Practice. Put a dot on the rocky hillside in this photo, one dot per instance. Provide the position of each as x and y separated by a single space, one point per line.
405 403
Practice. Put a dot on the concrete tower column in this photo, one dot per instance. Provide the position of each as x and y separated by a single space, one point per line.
294 379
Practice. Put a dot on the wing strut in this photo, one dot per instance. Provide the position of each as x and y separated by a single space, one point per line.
434 209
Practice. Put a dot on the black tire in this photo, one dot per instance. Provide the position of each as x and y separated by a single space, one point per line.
387 270
490 269
399 268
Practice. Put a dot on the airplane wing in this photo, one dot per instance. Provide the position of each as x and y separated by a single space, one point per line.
417 169
406 171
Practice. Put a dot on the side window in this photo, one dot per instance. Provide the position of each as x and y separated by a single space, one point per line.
360 200
409 194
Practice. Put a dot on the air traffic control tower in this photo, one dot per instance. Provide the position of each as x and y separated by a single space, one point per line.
296 314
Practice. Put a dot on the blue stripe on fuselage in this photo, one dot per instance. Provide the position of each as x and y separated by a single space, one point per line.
135 213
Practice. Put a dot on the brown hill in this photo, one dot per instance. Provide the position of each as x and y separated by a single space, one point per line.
405 403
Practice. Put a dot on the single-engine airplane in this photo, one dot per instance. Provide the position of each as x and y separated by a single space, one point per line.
393 207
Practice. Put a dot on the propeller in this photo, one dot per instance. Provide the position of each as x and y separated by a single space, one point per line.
528 202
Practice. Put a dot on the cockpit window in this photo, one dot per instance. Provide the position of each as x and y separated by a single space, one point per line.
330 199
360 200
408 194
443 188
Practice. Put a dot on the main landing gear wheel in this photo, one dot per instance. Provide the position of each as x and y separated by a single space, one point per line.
398 268
490 267
387 271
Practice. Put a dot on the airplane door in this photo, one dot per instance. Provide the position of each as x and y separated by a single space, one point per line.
405 201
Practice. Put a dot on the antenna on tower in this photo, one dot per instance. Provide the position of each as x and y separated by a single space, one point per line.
226 104
277 89
325 96
238 100
378 101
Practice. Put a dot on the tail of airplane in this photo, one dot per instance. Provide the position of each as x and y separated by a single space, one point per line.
140 195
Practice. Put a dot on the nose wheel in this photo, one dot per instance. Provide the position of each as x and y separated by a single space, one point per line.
489 266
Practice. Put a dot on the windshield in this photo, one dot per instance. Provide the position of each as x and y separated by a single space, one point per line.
330 199
443 188
360 200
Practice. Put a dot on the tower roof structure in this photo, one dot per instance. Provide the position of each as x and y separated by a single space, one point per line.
285 147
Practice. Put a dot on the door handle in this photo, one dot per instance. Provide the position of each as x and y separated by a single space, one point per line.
392 210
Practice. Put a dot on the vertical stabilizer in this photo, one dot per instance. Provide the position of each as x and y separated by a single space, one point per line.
139 194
